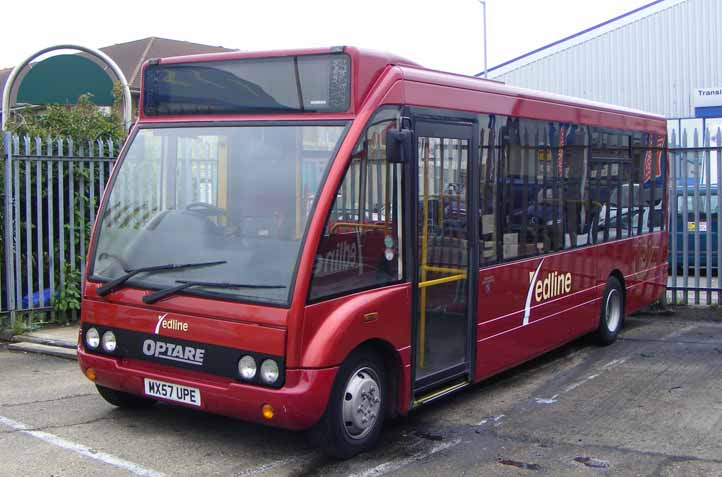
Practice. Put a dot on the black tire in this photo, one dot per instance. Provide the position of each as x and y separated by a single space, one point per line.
124 400
343 439
611 317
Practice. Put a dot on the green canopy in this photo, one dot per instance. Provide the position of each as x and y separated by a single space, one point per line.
62 79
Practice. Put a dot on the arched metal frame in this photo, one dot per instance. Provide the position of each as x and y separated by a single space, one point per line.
127 106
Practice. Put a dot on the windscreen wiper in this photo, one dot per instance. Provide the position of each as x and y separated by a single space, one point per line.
160 294
113 284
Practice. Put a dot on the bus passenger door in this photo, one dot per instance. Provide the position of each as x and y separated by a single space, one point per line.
443 256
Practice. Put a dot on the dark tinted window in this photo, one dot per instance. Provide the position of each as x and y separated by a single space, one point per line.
360 245
647 183
543 180
653 180
310 83
490 144
565 185
577 220
550 186
525 173
610 178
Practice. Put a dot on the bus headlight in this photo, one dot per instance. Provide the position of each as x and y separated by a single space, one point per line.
247 367
108 341
92 338
269 371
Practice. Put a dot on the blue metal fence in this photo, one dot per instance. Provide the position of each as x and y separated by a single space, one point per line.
695 250
51 191
52 187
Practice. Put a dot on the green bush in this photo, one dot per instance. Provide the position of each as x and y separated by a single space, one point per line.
81 122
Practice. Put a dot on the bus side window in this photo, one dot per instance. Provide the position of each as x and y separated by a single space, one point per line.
576 188
487 192
360 244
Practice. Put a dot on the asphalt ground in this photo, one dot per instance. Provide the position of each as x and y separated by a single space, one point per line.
648 405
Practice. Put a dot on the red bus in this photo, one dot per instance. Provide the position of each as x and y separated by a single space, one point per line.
327 238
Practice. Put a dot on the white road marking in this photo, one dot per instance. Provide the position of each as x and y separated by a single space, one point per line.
573 386
272 465
550 400
80 449
495 419
612 364
394 465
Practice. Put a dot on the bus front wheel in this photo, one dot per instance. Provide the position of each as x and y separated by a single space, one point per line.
612 314
355 413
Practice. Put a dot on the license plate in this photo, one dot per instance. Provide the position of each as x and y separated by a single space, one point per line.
173 392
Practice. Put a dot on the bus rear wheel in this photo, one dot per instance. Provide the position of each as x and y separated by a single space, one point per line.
612 314
355 413
124 400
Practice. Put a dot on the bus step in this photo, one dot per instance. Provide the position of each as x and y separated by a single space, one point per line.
436 394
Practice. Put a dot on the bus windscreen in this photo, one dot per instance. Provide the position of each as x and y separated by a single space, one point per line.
289 84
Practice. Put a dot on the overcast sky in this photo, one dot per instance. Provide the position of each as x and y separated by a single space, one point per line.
445 35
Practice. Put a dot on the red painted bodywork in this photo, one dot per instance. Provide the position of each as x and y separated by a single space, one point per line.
502 341
316 338
298 405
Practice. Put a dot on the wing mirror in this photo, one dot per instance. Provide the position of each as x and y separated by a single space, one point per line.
399 145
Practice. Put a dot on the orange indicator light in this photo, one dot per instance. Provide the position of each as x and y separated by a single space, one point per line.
267 411
90 373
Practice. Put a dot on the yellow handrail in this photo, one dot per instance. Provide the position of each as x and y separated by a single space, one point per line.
360 226
441 281
430 268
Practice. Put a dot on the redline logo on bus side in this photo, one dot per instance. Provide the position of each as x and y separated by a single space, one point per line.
553 285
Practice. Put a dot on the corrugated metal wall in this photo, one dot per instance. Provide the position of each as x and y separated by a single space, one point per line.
651 61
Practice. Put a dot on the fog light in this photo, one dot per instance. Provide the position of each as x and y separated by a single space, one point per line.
90 374
92 338
269 371
267 411
108 341
247 367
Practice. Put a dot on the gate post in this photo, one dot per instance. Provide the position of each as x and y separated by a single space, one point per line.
8 237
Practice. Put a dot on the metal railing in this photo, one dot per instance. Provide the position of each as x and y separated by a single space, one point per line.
695 247
51 191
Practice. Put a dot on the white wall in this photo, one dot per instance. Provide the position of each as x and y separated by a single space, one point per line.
652 60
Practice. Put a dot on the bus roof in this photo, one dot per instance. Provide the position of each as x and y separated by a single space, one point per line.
491 86
368 65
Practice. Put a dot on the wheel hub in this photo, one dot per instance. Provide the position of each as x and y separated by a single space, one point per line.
613 310
361 403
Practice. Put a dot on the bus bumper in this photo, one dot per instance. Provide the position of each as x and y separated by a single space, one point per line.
299 404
